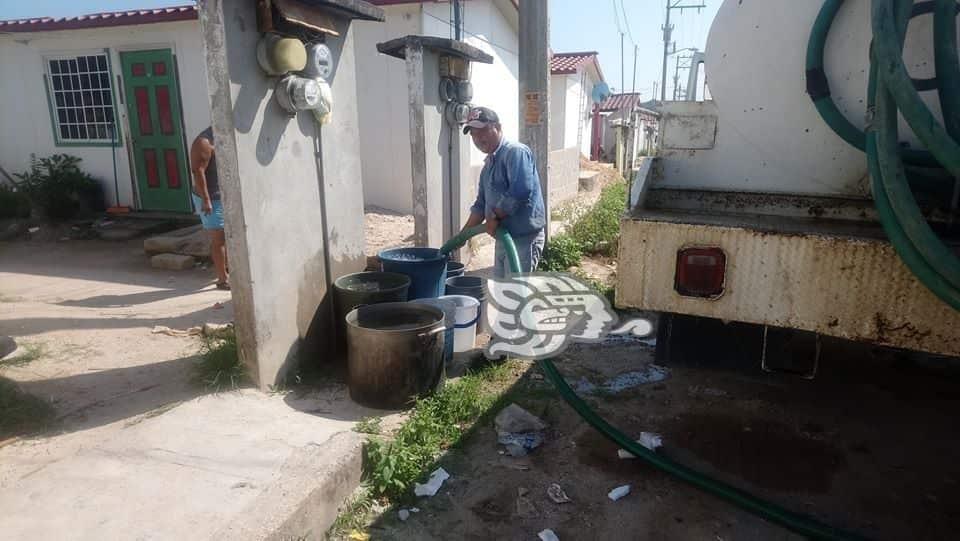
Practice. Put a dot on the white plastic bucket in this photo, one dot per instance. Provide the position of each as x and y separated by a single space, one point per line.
467 317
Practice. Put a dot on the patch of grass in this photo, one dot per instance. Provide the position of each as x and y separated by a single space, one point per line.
602 288
368 425
354 515
598 230
219 367
561 253
21 413
435 424
31 352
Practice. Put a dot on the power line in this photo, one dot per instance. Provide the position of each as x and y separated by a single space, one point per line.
479 37
626 23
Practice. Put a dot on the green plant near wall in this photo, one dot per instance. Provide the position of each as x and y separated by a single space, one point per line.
14 203
561 253
598 230
59 187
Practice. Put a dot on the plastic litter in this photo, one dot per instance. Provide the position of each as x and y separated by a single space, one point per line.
650 440
548 535
404 515
520 444
513 418
414 509
556 493
33 229
519 430
433 484
619 492
650 374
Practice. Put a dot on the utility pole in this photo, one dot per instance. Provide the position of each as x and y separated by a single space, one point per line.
634 89
667 32
457 30
676 78
622 85
534 82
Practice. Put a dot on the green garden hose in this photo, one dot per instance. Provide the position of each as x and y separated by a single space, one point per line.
818 87
890 89
764 509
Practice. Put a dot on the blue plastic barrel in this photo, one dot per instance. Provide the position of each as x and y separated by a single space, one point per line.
426 267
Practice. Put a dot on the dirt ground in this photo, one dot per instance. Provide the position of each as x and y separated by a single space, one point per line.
90 308
869 446
386 229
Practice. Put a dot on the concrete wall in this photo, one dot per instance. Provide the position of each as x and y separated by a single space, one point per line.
558 111
25 123
383 116
564 174
382 84
292 202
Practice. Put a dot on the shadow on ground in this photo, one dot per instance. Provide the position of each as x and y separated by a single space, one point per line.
105 396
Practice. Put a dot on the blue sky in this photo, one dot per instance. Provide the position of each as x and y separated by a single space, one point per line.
575 25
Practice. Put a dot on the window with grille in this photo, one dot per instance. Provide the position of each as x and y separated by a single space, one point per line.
81 98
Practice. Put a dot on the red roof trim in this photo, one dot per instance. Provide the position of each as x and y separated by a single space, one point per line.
101 20
570 63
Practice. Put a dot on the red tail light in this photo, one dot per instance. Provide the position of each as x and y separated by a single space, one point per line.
700 272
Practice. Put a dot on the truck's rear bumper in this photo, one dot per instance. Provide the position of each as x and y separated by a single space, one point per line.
837 278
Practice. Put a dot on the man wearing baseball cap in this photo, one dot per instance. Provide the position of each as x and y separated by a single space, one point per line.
509 192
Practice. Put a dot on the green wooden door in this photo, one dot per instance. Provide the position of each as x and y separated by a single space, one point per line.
153 107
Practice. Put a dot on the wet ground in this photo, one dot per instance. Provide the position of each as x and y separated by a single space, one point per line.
868 446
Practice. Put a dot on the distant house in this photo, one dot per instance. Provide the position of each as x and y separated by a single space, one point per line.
573 77
627 109
490 25
125 91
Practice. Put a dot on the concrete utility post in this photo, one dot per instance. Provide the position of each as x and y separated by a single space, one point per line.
535 89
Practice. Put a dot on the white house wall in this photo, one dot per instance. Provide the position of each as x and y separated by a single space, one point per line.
383 110
25 123
382 91
558 111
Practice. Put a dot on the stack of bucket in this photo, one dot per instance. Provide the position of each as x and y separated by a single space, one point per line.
398 350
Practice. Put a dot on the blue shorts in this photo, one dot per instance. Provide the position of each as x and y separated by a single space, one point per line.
214 220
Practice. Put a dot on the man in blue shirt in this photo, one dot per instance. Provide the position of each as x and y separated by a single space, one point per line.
509 192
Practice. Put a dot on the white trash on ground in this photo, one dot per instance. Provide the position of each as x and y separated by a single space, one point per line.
548 535
619 492
556 493
433 484
650 440
404 515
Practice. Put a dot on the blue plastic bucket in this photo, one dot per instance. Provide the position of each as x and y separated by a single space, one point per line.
454 269
449 308
426 267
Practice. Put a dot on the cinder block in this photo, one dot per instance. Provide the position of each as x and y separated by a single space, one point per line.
172 262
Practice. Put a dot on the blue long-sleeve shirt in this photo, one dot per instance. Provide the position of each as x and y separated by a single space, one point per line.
509 182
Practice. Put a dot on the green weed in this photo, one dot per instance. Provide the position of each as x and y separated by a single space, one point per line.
368 425
561 253
219 367
598 230
435 424
31 352
353 515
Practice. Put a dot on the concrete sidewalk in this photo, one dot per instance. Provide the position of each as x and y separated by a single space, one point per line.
239 465
139 451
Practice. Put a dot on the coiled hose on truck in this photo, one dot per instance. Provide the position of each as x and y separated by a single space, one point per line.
892 91
763 509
